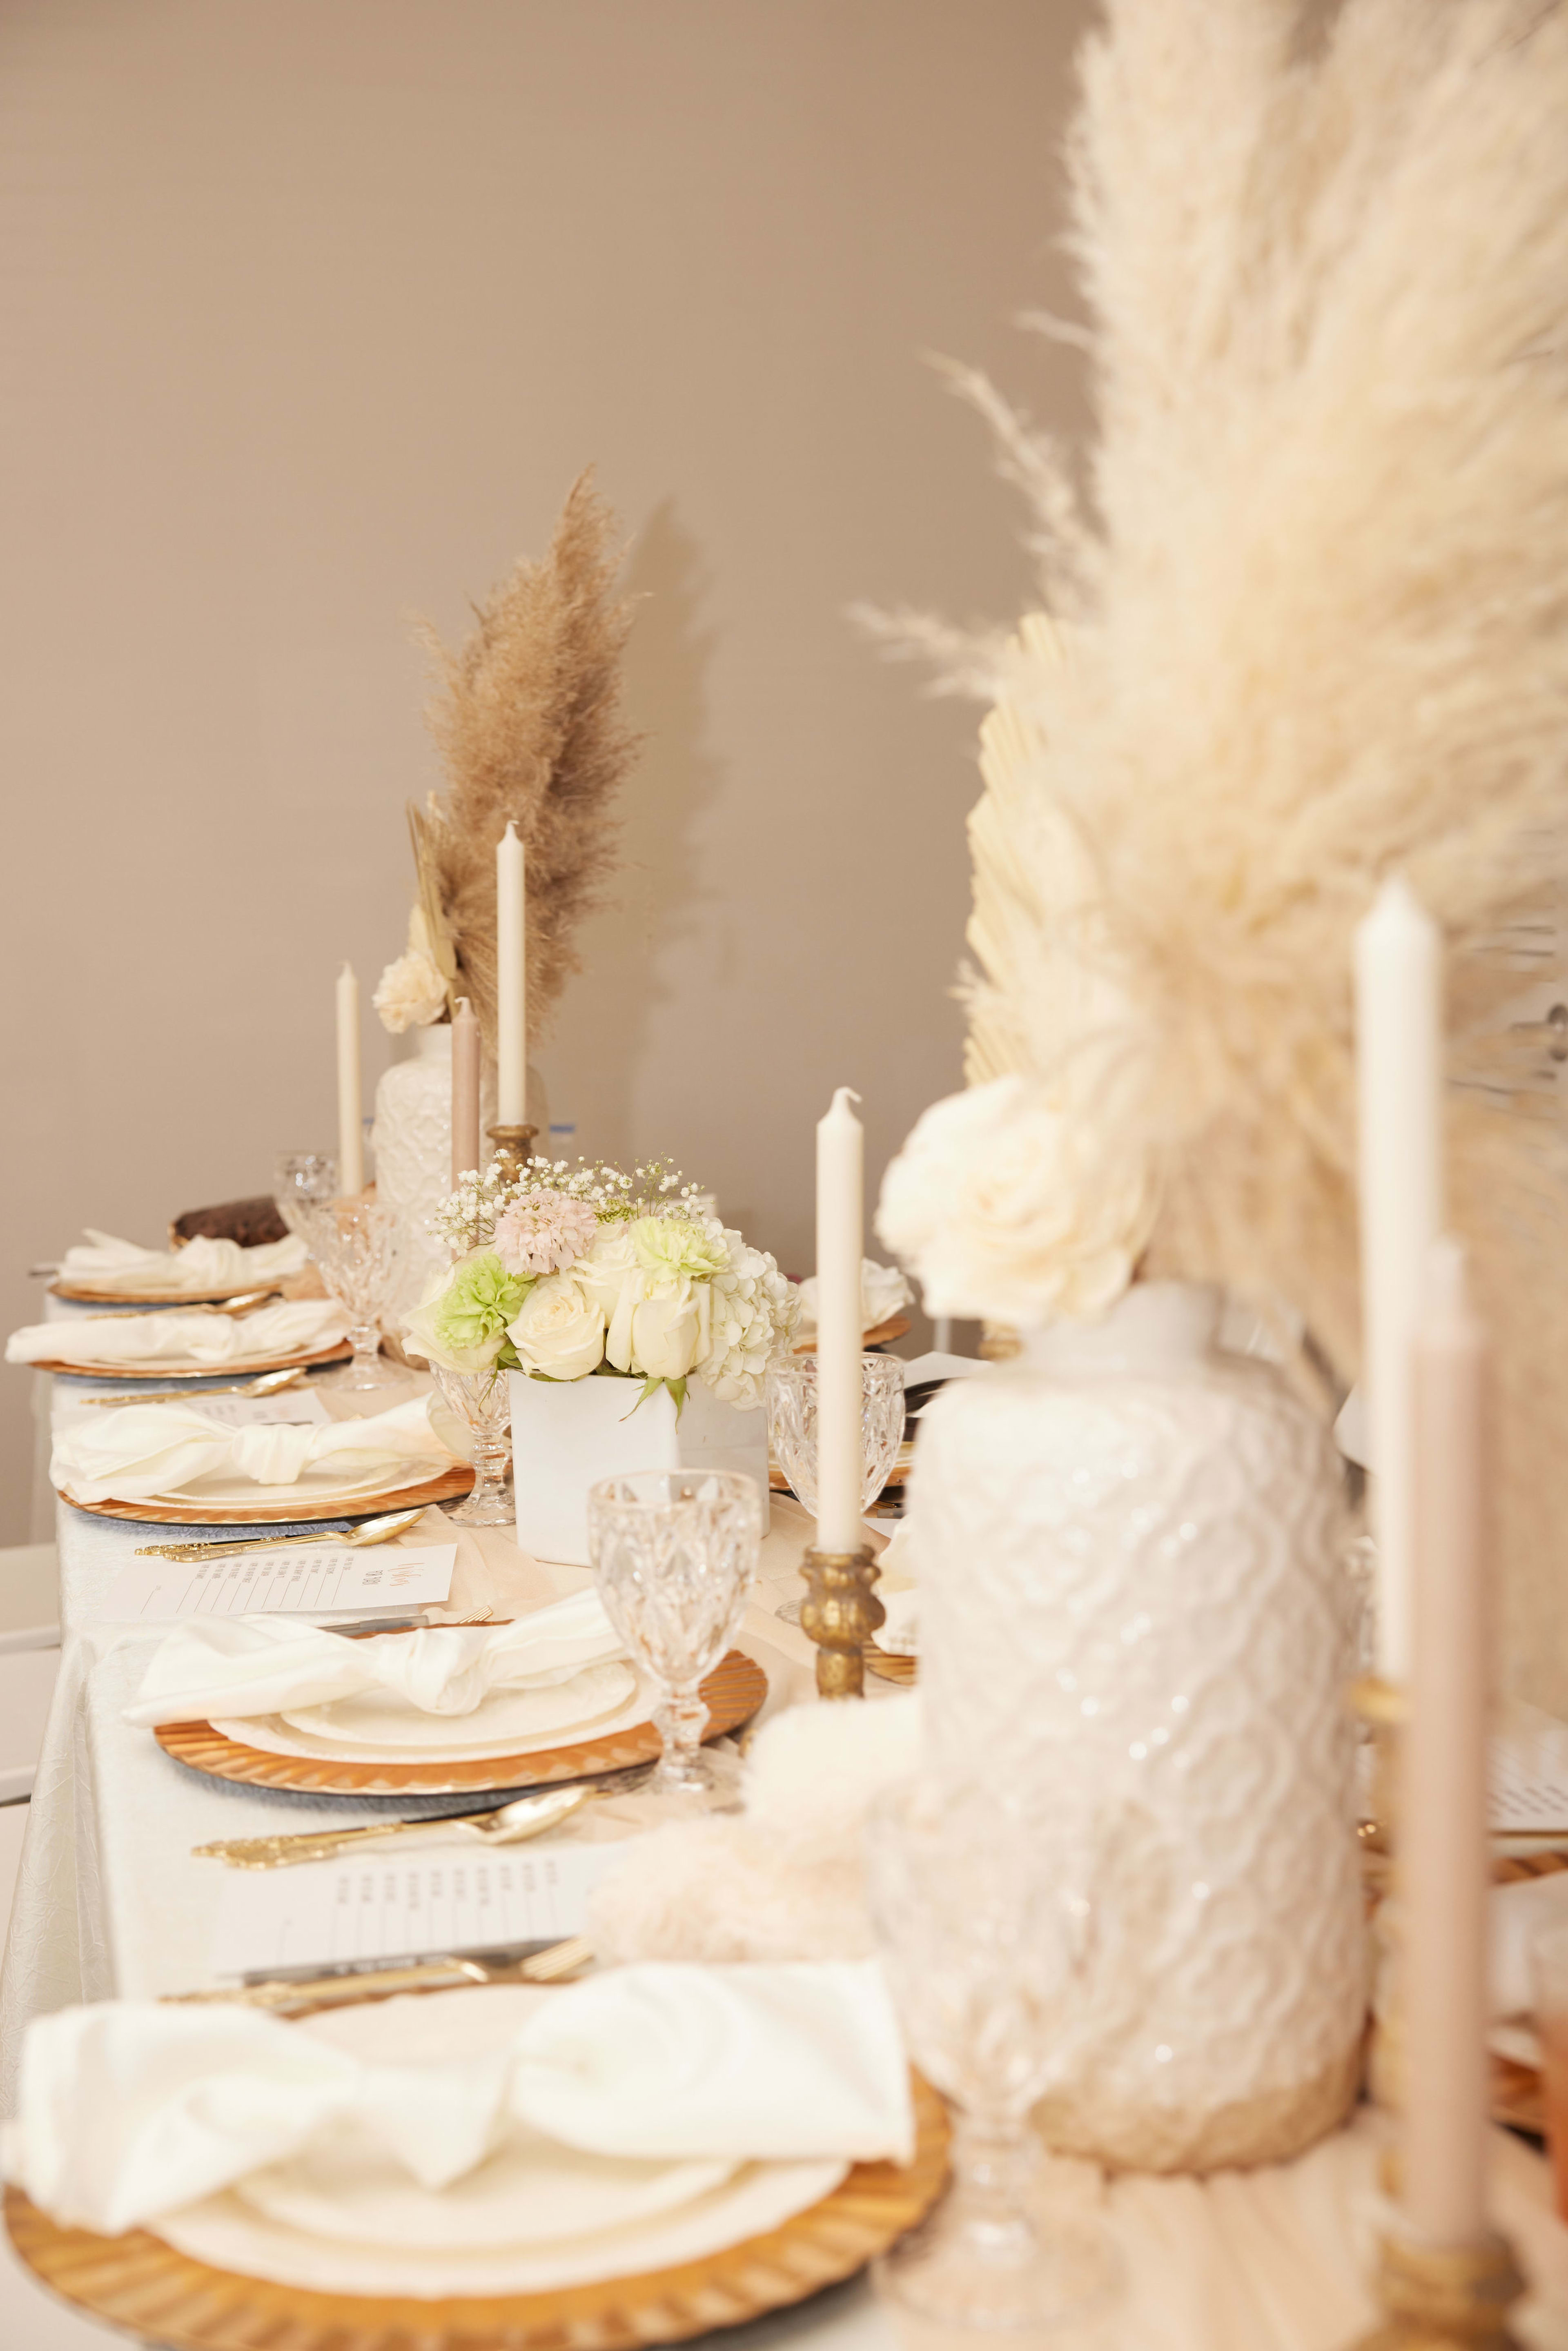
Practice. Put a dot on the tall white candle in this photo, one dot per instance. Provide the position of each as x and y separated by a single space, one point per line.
350 1133
1399 1089
511 981
1443 1861
841 1189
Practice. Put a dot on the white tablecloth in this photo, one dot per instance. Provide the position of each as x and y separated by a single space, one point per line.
110 1901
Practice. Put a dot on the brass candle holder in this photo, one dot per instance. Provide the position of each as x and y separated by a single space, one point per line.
514 1148
1445 2297
1434 2297
841 1612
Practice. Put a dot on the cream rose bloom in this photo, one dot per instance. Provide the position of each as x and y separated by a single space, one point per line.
1004 1213
559 1330
410 993
602 1275
669 1333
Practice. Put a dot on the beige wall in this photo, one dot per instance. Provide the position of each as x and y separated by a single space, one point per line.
311 310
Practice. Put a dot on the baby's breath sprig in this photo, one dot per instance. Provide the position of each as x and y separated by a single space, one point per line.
467 1219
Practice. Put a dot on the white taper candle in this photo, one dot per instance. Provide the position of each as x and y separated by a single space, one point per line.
1399 1090
511 981
1445 1867
351 1132
841 1188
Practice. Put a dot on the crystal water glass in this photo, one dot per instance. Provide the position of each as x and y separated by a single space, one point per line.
986 1925
356 1245
303 1180
792 1392
483 1402
673 1553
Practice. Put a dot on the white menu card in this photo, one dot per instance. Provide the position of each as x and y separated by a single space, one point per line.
404 1905
293 1579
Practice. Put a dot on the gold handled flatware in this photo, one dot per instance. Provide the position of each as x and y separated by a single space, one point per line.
241 1303
391 1524
267 1384
336 1987
526 1816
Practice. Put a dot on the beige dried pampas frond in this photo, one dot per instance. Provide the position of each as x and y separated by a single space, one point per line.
1314 630
527 720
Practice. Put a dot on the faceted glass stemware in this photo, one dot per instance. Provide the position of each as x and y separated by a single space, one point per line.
303 1180
791 1391
987 1927
355 1244
673 1553
483 1402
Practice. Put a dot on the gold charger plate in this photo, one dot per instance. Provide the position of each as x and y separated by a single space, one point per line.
248 1363
138 2282
82 1293
732 1694
443 1488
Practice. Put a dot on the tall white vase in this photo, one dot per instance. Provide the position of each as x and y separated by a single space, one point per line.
412 1139
1134 1605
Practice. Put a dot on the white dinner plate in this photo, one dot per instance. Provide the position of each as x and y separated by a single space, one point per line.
382 1718
320 1481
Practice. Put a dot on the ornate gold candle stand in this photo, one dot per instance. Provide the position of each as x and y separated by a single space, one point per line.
514 1148
841 1612
1434 2297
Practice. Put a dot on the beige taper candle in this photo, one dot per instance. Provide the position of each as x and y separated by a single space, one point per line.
1444 1863
465 1089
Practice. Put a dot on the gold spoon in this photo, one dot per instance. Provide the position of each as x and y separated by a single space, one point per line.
268 1383
374 1530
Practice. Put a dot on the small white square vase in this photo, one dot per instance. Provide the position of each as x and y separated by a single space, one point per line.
568 1434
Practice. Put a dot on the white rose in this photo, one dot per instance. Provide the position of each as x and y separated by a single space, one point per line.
669 1333
1006 1209
601 1274
558 1330
410 993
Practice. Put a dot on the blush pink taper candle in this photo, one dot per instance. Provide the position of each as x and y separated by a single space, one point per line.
1444 1864
465 1089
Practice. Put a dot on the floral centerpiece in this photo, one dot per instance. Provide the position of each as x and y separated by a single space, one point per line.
574 1271
580 1283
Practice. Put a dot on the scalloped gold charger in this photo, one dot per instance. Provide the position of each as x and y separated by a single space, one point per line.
732 1694
138 2282
444 1488
84 1293
187 1370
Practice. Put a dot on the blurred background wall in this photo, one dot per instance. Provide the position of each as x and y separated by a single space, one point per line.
309 312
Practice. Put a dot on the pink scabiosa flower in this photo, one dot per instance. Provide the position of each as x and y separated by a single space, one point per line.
544 1232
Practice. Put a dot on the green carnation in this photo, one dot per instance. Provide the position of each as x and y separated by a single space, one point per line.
667 1247
471 1315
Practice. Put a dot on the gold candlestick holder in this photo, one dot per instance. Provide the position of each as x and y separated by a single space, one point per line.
841 1612
514 1148
1434 2297
1445 2297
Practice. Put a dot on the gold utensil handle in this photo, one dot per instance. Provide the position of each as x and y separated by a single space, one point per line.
194 1551
314 1845
548 1966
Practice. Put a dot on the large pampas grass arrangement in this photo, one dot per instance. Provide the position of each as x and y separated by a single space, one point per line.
1308 625
526 714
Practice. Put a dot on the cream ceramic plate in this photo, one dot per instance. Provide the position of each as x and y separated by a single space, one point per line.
381 1719
322 1482
274 1735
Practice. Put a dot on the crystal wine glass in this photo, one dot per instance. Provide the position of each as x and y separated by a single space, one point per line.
355 1244
986 1929
791 1390
673 1553
483 1402
302 1180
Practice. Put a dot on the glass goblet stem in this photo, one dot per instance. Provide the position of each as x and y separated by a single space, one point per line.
995 2158
680 1718
365 1337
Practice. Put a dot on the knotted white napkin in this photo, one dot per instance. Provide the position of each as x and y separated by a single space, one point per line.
883 1293
153 1448
203 1264
132 2109
183 1335
261 1665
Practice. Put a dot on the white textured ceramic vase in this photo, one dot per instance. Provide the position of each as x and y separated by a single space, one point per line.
1132 1593
568 1434
412 1139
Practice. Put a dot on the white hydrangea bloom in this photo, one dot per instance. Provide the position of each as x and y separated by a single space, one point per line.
755 1311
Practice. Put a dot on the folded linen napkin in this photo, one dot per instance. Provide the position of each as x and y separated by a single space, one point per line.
183 1335
883 1293
106 1263
261 1665
1516 1914
151 1449
131 2109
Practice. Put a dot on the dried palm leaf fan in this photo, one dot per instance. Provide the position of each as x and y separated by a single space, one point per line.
1311 627
526 717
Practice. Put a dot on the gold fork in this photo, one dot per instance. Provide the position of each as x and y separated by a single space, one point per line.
267 1384
524 1817
381 1529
